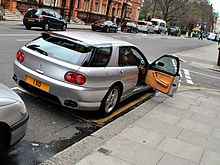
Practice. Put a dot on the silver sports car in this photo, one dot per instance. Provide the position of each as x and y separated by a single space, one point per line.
89 71
13 118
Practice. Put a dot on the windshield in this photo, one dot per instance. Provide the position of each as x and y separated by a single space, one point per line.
155 23
60 48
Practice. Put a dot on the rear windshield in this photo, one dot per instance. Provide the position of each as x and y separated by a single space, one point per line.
61 48
33 12
141 23
155 23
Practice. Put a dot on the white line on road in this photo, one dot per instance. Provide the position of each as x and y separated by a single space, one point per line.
188 77
19 35
116 36
23 40
189 81
205 75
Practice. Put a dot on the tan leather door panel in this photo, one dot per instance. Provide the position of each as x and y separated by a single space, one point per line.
160 81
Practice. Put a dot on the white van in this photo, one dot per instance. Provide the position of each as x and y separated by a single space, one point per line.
159 25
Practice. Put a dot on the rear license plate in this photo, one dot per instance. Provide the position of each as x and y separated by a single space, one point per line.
97 25
30 20
36 83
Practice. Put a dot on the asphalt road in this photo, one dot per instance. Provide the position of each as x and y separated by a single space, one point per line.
52 128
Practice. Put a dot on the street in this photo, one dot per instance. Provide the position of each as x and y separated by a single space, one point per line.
52 128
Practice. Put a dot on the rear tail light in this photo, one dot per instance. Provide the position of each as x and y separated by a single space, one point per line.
20 56
75 78
41 17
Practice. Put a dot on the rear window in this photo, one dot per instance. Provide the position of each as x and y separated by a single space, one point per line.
141 23
33 12
61 48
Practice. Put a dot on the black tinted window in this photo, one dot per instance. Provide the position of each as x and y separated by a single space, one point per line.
101 56
33 12
155 23
162 24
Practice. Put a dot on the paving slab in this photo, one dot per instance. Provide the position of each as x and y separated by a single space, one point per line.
210 158
195 126
142 136
208 120
193 137
98 158
174 160
213 144
182 113
133 152
205 109
162 116
159 127
181 149
216 133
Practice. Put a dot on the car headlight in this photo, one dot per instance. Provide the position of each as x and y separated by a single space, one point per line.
23 109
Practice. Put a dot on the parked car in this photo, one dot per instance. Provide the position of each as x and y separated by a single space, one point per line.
145 26
129 27
44 18
159 25
174 31
106 26
77 71
13 118
212 37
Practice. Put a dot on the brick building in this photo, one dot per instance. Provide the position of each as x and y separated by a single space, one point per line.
85 10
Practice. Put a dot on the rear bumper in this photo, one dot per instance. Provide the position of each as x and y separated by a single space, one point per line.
84 97
18 130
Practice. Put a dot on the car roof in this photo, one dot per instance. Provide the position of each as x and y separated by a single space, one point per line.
91 38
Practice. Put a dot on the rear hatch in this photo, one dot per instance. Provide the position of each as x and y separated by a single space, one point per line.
53 56
32 15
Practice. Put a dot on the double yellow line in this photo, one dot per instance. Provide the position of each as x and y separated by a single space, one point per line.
120 110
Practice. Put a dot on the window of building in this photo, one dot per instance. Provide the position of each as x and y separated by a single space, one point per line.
86 5
103 9
96 7
78 4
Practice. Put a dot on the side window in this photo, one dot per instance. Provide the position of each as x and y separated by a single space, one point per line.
101 56
127 58
162 24
58 16
167 64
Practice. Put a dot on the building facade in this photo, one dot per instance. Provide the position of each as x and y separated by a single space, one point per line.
85 10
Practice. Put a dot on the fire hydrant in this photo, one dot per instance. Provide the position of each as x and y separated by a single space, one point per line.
218 62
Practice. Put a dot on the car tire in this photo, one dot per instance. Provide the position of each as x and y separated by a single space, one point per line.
110 101
27 27
116 31
46 27
63 28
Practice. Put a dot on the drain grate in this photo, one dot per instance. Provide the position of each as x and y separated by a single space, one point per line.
104 151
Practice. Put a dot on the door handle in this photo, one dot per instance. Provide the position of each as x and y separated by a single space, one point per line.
121 71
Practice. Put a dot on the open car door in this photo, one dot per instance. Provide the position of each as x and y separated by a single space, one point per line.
163 74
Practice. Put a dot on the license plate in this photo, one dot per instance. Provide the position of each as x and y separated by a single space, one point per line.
36 83
97 24
30 20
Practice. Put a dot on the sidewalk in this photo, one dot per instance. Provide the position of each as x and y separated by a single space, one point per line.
184 130
69 25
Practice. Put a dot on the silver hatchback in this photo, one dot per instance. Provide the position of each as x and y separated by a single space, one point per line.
89 71
13 118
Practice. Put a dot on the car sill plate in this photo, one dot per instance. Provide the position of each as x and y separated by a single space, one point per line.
36 83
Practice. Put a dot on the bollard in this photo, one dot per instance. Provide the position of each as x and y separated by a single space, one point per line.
218 63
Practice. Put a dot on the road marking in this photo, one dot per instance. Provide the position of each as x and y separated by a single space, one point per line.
120 110
200 88
188 77
19 35
116 36
205 75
